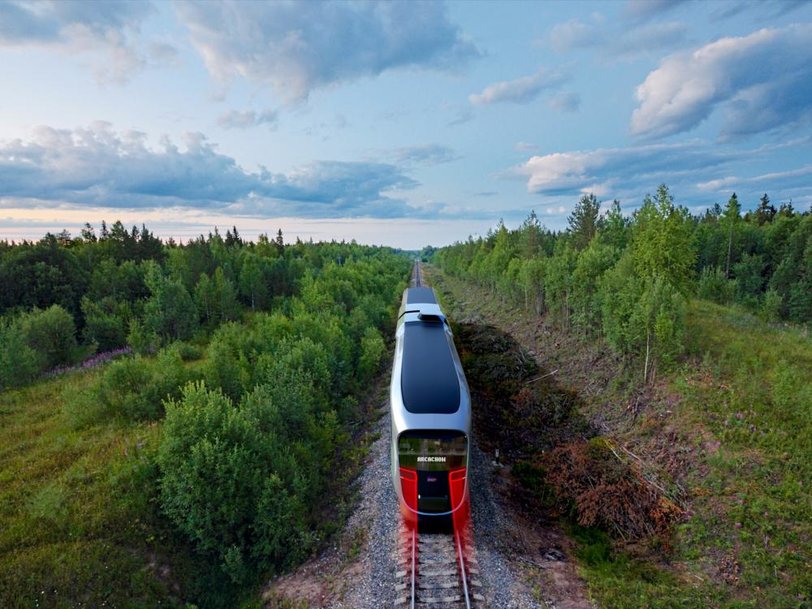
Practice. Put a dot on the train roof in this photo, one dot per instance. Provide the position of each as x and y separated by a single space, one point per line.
429 381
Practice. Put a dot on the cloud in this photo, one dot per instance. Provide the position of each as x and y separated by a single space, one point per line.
792 178
299 47
525 147
622 42
758 82
461 116
67 21
520 91
566 101
697 172
104 25
573 172
642 10
765 10
575 34
430 154
236 119
97 166
649 37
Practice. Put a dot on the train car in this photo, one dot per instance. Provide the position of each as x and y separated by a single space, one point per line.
431 416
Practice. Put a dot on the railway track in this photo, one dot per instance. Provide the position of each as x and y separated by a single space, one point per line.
417 276
438 572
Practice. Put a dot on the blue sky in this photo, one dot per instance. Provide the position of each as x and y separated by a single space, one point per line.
396 123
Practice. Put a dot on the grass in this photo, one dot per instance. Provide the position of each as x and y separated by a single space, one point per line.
745 398
80 524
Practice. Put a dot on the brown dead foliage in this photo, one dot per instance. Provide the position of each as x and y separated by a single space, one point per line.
608 492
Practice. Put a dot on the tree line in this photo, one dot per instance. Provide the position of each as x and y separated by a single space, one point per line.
64 298
628 278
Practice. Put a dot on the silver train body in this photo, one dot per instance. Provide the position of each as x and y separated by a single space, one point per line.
430 408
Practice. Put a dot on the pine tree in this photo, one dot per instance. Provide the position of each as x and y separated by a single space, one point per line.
583 220
731 219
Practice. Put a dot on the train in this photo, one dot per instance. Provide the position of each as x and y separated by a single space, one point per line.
430 406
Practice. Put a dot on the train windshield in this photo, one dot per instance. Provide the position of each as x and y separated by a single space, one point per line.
425 450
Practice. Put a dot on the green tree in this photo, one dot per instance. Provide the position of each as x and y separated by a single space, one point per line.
592 263
253 287
583 221
730 220
216 298
372 351
170 311
19 363
765 212
106 322
615 228
51 333
662 241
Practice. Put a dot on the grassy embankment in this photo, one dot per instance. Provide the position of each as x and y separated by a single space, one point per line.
80 524
732 426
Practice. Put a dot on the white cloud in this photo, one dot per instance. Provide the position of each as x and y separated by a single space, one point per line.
575 34
693 170
525 147
793 177
619 42
573 172
520 91
565 101
244 119
429 154
298 47
759 82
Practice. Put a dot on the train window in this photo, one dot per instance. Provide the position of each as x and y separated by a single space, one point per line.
432 450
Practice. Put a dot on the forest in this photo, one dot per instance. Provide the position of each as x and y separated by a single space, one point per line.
236 370
627 279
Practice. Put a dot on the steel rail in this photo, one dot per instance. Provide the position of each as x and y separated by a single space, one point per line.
463 574
414 567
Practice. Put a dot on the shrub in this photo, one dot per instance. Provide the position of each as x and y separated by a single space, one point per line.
134 388
372 350
19 363
105 323
714 286
771 306
188 352
246 482
51 333
226 365
142 339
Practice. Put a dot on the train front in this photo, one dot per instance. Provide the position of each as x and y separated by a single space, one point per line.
431 417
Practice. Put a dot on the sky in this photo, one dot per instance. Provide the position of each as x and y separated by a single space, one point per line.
395 123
